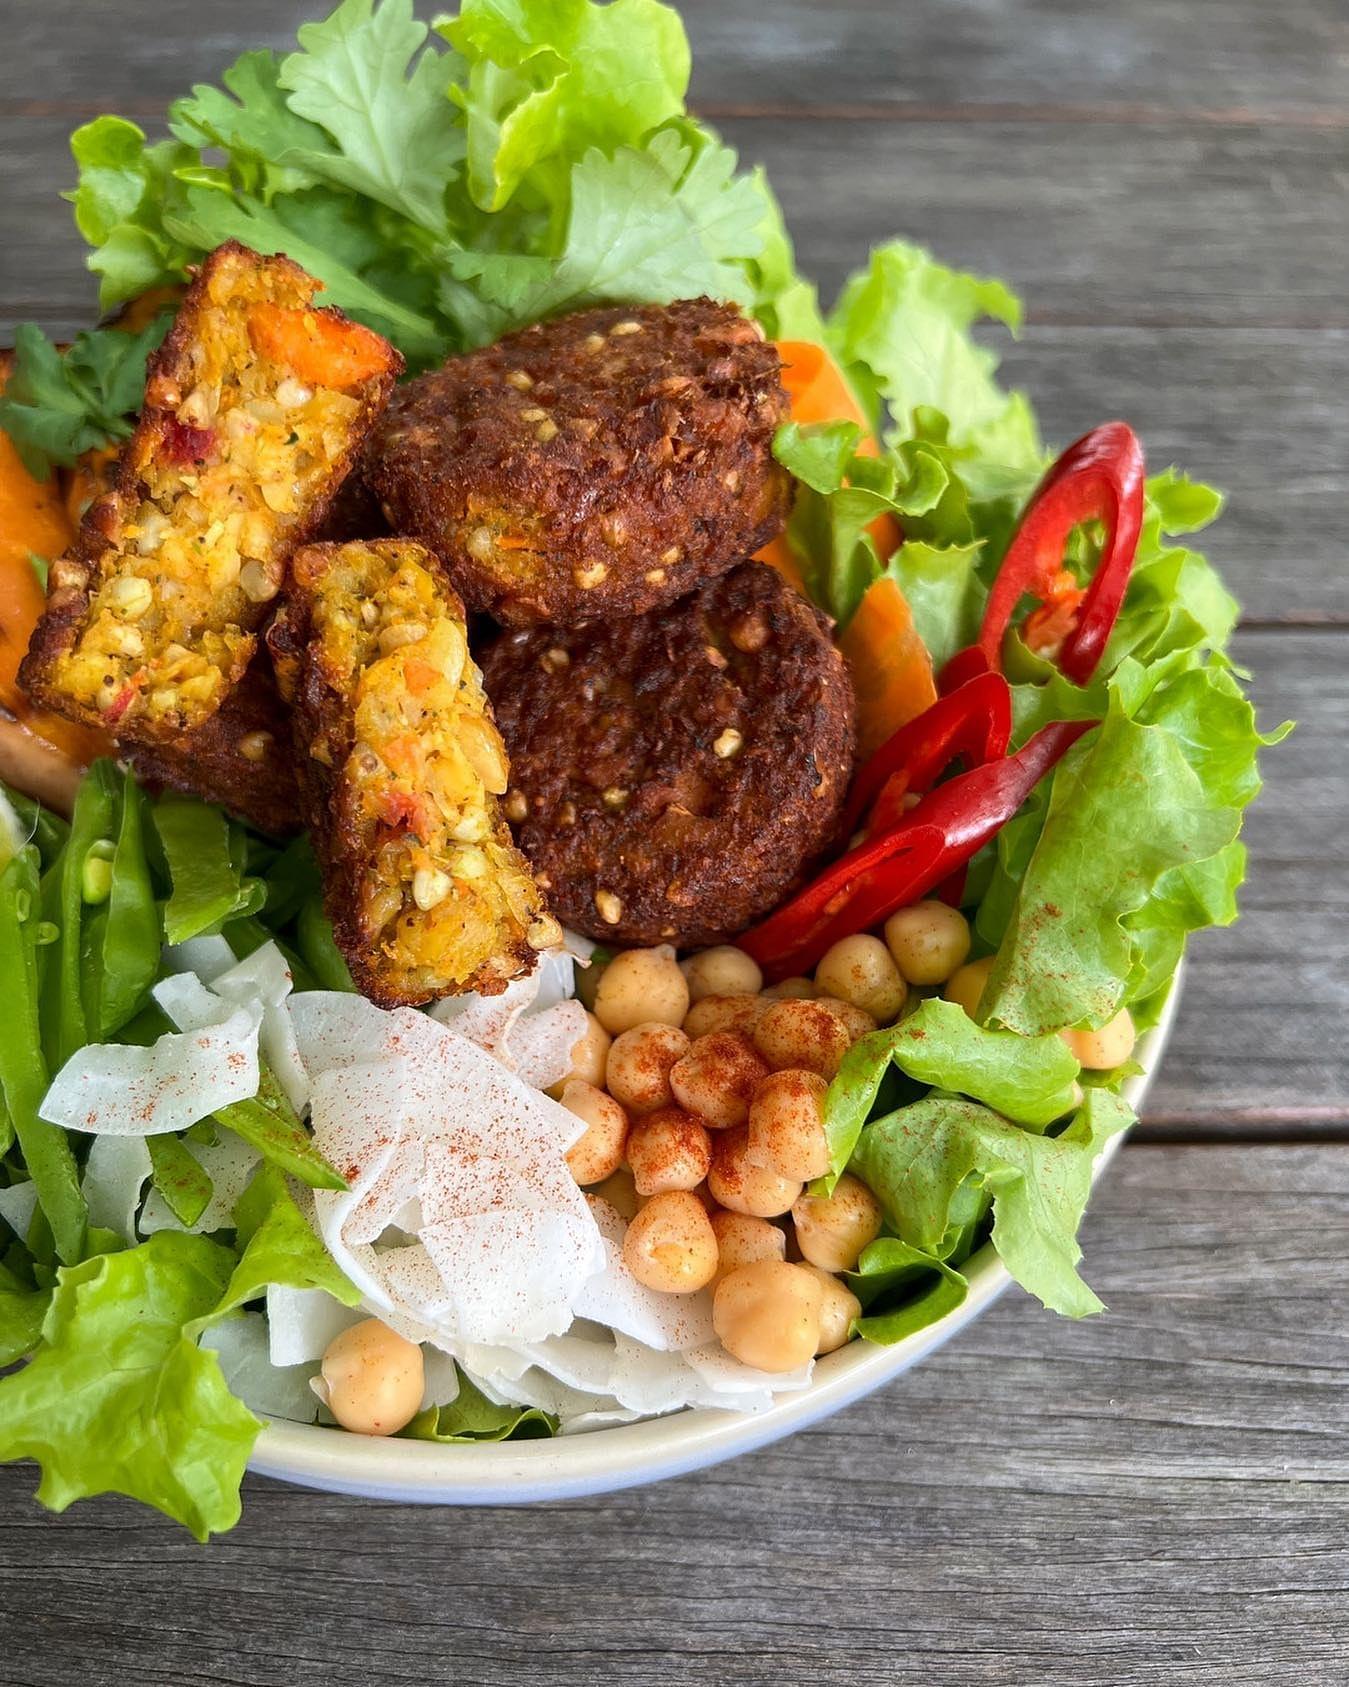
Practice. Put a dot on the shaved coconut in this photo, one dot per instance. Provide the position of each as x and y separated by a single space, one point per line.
531 1027
266 976
442 1379
119 1090
229 1163
240 1344
208 957
18 1203
504 1238
302 1322
115 1175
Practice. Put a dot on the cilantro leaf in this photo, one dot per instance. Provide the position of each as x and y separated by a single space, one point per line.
361 76
57 405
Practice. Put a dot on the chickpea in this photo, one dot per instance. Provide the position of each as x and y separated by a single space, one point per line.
670 1246
598 1152
723 971
837 1310
861 970
767 1314
792 990
717 1079
742 1239
966 984
832 1230
374 1378
805 1034
786 1125
856 1021
725 1013
1103 1050
589 1056
640 986
668 1150
742 1187
638 1068
928 940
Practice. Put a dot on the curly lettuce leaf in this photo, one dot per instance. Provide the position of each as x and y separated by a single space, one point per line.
1027 1079
471 1416
119 1398
919 1160
550 79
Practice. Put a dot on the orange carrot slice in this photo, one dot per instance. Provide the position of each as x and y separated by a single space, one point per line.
889 663
322 350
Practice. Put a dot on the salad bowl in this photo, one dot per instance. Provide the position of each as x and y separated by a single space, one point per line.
599 1461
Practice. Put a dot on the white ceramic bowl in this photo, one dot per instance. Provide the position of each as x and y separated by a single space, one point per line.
520 1472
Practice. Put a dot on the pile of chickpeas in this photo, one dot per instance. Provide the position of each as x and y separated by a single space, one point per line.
702 1095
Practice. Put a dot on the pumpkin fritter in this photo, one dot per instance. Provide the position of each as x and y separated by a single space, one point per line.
255 406
402 770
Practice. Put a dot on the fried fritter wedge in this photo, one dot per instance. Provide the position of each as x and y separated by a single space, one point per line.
255 408
242 758
402 770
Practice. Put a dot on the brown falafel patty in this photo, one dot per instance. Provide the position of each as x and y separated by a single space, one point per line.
241 758
255 406
602 463
402 771
673 775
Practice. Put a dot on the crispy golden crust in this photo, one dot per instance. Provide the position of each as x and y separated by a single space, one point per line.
401 771
600 464
673 775
256 404
242 758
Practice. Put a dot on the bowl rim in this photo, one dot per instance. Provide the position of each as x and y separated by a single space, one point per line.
653 1449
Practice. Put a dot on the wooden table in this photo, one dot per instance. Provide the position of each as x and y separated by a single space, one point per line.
1159 1496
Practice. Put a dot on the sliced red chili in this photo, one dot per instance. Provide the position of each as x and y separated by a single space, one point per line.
973 724
891 869
1098 478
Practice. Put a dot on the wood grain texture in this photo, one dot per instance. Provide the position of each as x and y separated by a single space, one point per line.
1155 1498
1158 1498
1148 59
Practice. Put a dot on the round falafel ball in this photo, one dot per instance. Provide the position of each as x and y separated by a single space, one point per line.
603 463
673 776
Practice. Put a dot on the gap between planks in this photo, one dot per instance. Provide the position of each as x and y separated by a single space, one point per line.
882 111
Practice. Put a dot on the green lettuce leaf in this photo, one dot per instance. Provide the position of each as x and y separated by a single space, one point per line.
918 1160
208 886
471 1416
118 1398
279 1246
548 79
902 330
1027 1079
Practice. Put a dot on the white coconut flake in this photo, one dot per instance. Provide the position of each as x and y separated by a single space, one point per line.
435 1131
229 1163
208 957
265 976
302 1322
18 1203
241 1345
120 1090
531 1027
115 1175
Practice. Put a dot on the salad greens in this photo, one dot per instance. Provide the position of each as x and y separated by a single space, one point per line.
446 185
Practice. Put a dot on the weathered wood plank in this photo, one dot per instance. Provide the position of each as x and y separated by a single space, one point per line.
1092 231
1152 57
1260 1035
1158 1495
